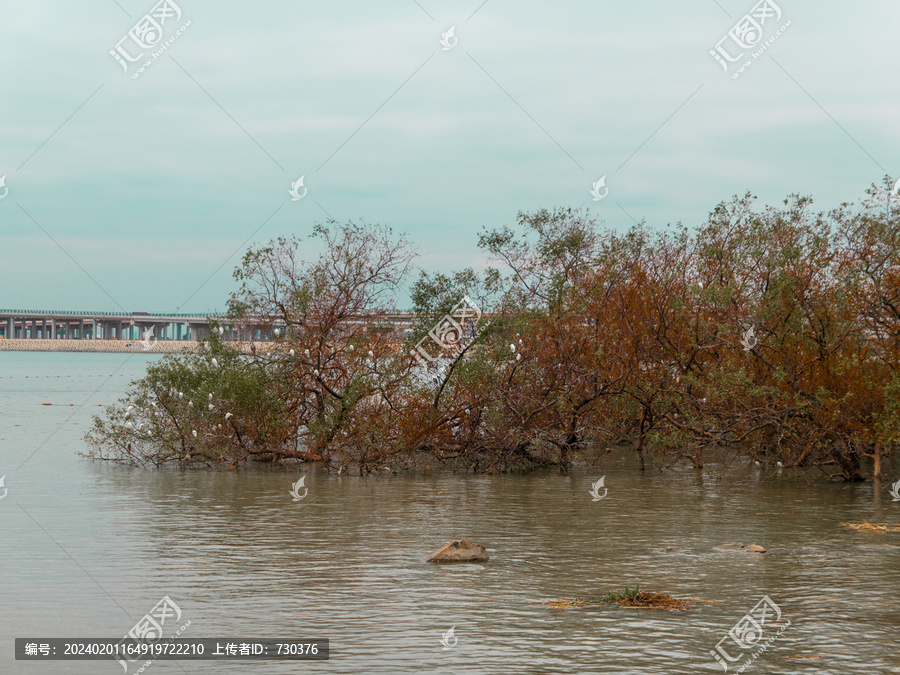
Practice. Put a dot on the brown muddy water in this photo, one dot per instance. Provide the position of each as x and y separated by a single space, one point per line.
86 549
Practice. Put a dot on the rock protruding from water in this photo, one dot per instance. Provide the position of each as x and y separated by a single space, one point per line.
752 548
459 550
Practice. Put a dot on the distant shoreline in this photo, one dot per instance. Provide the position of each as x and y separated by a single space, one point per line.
108 346
118 346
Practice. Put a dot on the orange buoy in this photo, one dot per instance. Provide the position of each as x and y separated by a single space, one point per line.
46 404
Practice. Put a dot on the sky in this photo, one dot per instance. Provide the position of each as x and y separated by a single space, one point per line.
130 190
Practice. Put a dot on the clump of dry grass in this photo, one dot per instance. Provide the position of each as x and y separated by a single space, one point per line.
628 598
871 527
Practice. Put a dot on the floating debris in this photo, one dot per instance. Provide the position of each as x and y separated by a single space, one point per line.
871 527
629 598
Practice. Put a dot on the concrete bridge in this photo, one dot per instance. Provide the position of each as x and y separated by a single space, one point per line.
47 325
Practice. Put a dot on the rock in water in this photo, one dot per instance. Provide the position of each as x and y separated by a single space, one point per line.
459 550
753 548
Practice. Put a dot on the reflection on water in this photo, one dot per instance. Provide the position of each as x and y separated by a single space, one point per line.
87 548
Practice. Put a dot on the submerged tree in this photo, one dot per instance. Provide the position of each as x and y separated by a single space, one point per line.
769 336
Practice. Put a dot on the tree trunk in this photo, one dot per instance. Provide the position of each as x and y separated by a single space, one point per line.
876 472
849 463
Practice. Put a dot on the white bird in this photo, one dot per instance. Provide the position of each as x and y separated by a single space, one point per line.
291 352
180 394
128 412
518 357
194 432
316 373
210 397
512 347
127 425
190 404
221 330
350 348
371 354
215 363
228 416
779 465
211 407
306 352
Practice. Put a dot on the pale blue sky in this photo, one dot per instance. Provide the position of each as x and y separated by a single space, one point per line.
151 184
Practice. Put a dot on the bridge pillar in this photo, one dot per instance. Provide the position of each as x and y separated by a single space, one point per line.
11 328
52 329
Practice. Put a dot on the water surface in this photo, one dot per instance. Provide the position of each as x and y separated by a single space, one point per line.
87 548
